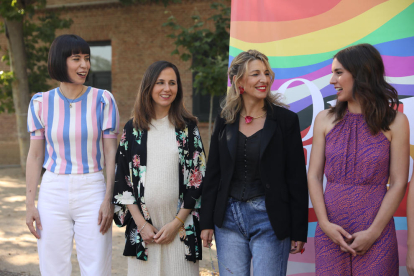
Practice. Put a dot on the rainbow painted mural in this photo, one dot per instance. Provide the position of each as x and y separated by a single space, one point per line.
300 38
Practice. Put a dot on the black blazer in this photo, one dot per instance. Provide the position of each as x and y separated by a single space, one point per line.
282 172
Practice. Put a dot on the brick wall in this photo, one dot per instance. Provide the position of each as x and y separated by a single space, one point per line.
137 38
54 3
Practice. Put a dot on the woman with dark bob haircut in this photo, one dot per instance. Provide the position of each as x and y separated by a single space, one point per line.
359 144
160 169
73 130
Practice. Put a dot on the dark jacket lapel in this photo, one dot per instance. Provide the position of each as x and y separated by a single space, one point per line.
232 131
269 129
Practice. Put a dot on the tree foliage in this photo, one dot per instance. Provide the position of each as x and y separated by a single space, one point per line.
39 33
209 49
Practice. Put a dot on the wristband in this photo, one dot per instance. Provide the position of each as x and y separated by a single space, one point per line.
179 219
142 228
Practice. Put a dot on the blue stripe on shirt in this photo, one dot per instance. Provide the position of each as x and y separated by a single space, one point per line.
99 120
66 140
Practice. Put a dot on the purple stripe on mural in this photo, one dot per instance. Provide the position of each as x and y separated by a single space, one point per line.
311 76
398 66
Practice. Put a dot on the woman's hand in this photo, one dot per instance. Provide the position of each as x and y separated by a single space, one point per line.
410 261
296 247
148 233
32 214
106 214
339 236
363 241
207 237
168 232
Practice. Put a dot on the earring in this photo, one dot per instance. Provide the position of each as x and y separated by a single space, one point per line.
241 89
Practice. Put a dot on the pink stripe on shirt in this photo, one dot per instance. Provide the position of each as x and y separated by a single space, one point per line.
78 133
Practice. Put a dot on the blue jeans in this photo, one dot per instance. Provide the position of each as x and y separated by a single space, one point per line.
246 235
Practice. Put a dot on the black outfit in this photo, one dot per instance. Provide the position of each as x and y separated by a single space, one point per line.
282 172
245 183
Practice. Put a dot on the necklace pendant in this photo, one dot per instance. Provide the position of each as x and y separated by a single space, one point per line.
70 105
248 119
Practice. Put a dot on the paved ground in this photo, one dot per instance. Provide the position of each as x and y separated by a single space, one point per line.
7 273
18 250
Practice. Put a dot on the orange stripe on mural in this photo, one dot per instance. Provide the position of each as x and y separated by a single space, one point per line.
278 10
260 32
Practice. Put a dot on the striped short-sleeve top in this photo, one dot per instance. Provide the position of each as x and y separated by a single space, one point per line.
73 135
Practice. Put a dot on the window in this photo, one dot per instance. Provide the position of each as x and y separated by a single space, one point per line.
201 103
101 62
201 106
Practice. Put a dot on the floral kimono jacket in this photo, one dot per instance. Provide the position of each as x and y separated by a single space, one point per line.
130 187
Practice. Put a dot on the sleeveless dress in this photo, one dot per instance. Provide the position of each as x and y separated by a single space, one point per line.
357 171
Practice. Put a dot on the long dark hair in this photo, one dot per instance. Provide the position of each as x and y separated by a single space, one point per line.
144 112
378 99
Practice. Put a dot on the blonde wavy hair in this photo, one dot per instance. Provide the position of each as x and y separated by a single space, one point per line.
233 103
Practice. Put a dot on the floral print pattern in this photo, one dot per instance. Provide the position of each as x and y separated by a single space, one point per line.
123 142
130 184
138 135
136 161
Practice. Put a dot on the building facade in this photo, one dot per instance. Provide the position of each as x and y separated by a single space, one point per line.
124 41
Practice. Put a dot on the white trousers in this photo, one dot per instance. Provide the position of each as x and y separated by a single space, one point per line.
69 208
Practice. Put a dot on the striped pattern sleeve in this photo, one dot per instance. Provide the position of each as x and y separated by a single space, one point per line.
110 121
35 125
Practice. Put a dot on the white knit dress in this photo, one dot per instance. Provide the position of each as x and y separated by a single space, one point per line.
161 198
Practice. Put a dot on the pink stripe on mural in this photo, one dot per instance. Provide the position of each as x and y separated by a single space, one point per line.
398 66
308 256
94 130
311 76
78 135
402 246
60 136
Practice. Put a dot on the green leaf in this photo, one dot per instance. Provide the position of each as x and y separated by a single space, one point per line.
37 36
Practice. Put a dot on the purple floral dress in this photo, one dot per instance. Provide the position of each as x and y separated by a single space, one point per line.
357 170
